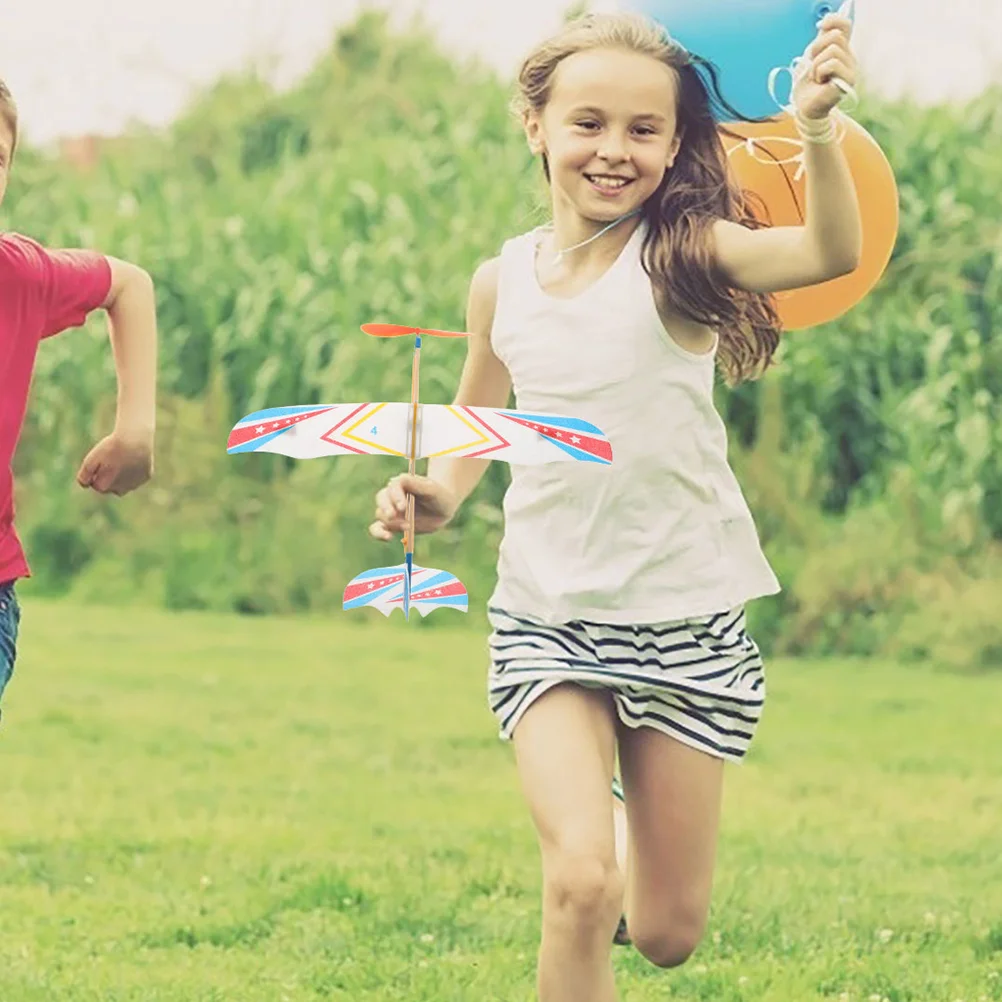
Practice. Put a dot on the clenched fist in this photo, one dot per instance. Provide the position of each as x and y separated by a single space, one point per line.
118 464
434 506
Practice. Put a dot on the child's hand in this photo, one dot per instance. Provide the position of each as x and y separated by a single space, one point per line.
118 464
828 56
434 506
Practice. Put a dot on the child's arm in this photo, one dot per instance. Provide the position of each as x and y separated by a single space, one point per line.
123 460
829 243
485 382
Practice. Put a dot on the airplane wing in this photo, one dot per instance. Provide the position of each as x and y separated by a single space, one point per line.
510 436
310 432
382 429
382 588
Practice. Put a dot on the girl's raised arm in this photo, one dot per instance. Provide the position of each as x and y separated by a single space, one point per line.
829 243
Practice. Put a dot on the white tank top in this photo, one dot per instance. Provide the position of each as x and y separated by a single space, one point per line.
663 533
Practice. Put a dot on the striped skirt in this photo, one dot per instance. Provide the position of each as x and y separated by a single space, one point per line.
700 680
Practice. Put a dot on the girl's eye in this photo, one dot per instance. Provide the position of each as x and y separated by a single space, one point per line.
645 130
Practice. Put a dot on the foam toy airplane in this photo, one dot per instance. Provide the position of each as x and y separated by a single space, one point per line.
416 431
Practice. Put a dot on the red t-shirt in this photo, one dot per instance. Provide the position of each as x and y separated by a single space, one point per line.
42 292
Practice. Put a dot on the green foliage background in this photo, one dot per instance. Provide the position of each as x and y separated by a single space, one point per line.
274 223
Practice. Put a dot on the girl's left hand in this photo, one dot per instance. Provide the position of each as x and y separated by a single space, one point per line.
829 55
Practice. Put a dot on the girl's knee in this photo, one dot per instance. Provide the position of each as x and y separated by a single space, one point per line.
671 943
585 888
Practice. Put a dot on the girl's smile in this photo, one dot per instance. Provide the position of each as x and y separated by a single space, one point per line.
608 185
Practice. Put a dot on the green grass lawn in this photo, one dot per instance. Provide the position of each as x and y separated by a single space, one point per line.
199 807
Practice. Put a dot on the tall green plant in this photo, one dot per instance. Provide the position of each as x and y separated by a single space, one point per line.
276 222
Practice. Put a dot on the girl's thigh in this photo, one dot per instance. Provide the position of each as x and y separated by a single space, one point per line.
565 749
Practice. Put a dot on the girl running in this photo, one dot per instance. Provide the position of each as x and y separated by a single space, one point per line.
618 616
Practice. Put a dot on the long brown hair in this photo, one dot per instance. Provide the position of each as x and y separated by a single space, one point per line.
695 191
8 112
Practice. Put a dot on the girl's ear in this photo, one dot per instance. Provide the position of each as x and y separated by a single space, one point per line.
676 145
534 133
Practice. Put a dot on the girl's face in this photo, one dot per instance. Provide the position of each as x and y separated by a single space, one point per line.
611 115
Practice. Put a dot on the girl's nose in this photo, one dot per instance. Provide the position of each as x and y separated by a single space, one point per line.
612 148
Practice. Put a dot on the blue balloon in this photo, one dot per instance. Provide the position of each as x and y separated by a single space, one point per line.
744 39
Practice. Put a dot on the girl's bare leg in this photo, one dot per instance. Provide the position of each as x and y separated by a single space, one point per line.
622 841
565 750
622 833
673 795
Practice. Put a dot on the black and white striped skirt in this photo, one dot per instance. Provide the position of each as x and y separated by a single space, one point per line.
699 680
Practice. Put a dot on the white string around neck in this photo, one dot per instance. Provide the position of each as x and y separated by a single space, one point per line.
560 254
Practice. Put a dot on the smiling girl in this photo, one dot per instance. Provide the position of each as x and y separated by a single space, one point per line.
619 613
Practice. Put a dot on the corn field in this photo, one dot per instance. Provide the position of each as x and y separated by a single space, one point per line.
275 223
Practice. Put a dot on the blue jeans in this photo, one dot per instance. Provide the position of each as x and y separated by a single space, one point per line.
10 618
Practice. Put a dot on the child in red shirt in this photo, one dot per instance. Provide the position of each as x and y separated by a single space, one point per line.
42 293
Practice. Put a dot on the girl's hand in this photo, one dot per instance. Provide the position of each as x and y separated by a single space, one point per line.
434 506
828 56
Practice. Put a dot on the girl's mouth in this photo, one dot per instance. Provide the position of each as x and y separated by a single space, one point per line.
608 185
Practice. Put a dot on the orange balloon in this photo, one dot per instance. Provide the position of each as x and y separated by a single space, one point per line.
773 170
